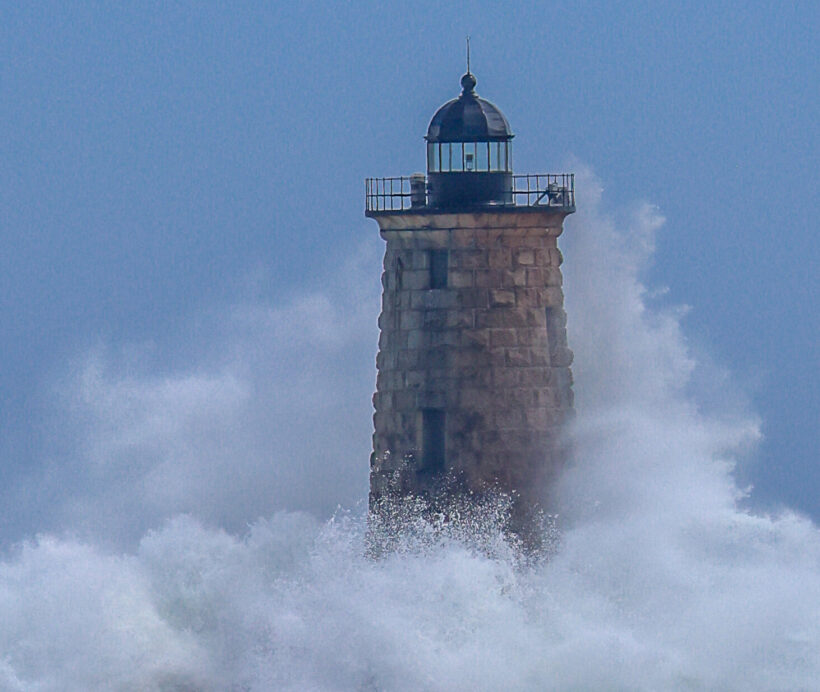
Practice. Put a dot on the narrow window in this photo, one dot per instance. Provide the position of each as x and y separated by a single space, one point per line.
495 148
469 156
444 157
482 155
438 268
455 157
553 326
432 451
550 315
399 272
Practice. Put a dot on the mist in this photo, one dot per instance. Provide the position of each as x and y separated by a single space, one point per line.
199 521
256 406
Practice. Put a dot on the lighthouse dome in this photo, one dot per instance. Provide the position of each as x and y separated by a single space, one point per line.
468 118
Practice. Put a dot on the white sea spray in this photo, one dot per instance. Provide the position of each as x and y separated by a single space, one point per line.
660 578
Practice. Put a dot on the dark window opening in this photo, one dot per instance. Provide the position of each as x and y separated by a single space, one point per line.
432 450
552 316
399 272
438 268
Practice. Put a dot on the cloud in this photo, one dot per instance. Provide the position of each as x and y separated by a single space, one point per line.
270 409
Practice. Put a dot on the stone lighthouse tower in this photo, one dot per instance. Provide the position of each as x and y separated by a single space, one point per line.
473 380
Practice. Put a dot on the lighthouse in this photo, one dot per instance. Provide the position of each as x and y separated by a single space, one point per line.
474 385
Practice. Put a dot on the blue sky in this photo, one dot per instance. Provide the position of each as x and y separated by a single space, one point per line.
161 160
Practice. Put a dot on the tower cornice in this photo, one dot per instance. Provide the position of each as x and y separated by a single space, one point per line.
528 220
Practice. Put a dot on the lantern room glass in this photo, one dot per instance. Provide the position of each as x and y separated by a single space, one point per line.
471 157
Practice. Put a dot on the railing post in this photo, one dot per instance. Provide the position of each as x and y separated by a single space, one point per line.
418 190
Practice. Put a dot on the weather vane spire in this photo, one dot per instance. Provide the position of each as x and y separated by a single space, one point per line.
468 55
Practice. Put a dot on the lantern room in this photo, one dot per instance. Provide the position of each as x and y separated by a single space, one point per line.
469 168
469 153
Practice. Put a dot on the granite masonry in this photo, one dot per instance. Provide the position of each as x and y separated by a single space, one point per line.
473 366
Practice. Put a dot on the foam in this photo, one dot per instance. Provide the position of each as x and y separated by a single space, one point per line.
661 580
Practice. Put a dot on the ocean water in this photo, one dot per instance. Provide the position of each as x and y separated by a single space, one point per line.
660 579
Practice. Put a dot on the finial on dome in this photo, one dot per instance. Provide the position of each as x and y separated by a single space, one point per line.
468 83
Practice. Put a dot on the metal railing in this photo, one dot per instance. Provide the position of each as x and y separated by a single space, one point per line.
387 194
551 190
544 190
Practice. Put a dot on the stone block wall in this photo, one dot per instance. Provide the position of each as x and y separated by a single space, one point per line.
489 350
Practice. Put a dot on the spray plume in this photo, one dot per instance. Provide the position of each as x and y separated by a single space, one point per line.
660 581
